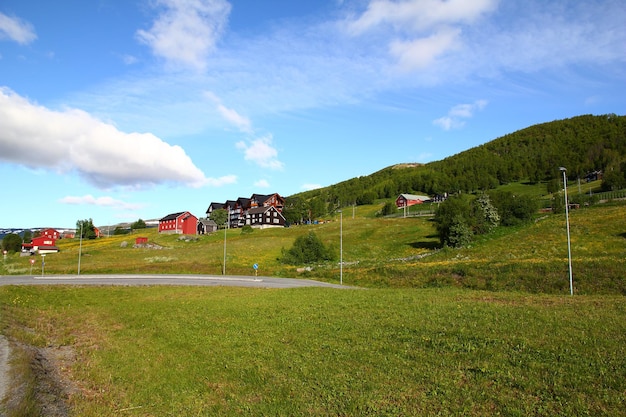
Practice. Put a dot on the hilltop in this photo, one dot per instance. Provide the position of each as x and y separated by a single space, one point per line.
582 144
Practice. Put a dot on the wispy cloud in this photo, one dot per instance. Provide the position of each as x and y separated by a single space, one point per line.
230 115
261 152
419 31
186 31
334 62
458 114
16 29
104 201
262 184
73 140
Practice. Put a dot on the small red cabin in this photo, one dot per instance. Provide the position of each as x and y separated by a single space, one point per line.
183 223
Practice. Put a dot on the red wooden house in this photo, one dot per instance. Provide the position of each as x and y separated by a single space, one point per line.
183 223
50 234
41 244
408 200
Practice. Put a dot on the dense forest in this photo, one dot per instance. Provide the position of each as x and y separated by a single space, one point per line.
583 144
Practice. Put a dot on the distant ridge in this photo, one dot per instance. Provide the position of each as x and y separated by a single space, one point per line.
582 144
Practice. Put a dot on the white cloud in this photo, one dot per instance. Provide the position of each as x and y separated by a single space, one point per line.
422 52
262 184
106 201
16 29
72 140
186 31
420 30
261 152
230 115
417 15
456 116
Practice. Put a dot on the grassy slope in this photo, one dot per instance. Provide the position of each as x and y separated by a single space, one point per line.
390 252
172 351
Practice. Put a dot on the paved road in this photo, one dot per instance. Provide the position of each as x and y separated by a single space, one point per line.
200 280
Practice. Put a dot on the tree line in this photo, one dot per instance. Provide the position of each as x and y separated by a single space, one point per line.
582 144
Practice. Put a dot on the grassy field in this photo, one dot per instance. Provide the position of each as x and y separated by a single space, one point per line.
380 253
484 330
172 351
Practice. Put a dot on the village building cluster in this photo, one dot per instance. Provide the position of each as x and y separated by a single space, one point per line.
259 211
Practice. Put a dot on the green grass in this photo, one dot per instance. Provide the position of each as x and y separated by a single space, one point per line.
172 351
382 253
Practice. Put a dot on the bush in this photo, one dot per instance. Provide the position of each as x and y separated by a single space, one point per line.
12 242
306 249
514 209
247 229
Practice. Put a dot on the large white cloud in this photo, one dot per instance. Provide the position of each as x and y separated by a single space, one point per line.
72 140
186 31
16 30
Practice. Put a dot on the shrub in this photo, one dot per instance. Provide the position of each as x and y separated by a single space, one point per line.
12 242
305 250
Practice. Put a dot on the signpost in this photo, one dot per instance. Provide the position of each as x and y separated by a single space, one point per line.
256 269
32 262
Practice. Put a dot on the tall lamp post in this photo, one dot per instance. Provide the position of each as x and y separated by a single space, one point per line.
340 247
80 246
569 246
226 226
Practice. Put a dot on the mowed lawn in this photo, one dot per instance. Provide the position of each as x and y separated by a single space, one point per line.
188 351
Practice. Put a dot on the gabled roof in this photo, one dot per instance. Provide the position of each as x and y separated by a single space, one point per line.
244 202
263 209
262 198
172 216
207 222
415 197
260 209
215 206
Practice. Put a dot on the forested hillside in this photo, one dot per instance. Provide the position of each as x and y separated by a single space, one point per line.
582 144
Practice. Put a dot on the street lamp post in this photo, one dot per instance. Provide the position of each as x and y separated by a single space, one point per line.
569 246
226 226
80 246
340 247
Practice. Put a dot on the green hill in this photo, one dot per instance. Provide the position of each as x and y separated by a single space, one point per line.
582 144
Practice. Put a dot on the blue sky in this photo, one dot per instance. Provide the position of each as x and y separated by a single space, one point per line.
117 110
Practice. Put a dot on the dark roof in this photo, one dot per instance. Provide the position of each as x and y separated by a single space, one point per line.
172 216
260 209
261 198
263 209
244 202
207 222
216 206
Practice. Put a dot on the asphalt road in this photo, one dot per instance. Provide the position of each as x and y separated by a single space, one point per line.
199 280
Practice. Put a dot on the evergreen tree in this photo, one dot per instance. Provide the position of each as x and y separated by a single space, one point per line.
87 227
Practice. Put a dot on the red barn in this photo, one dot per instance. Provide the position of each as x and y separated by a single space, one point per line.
408 200
41 244
183 223
50 233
